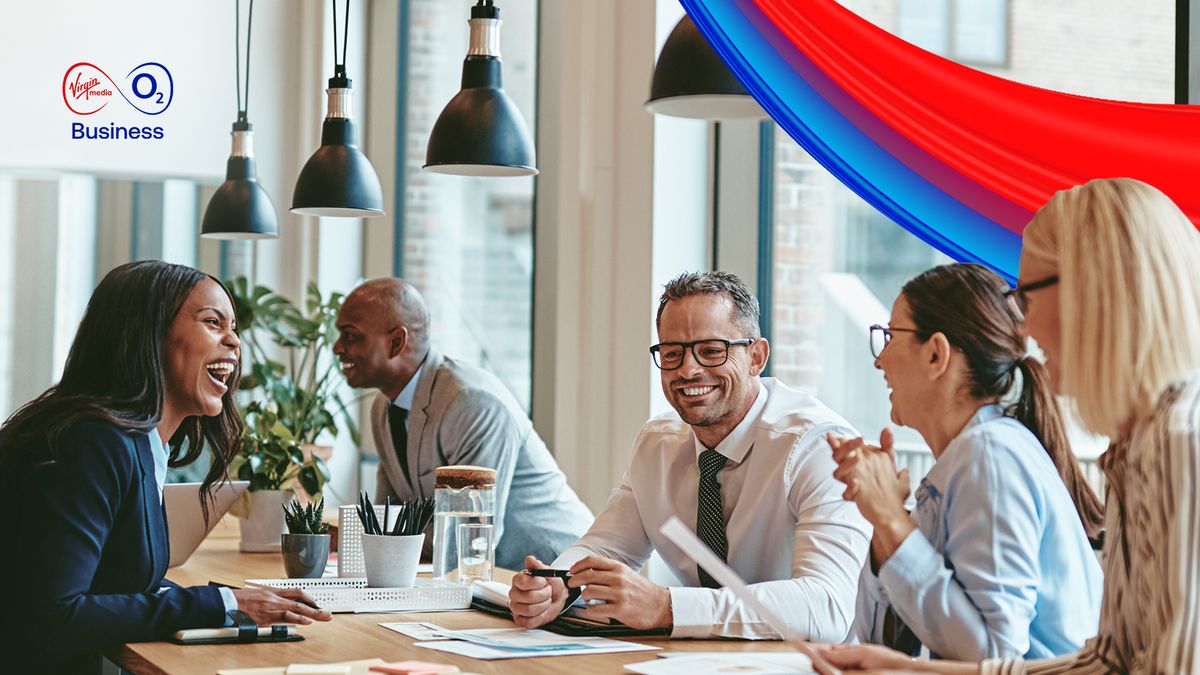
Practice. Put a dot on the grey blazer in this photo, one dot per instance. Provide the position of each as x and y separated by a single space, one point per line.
464 415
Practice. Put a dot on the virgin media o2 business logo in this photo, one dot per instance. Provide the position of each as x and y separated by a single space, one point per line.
86 90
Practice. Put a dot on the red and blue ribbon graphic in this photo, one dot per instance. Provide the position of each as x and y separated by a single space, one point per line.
956 156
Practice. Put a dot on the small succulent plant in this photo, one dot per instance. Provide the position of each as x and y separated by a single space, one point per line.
305 519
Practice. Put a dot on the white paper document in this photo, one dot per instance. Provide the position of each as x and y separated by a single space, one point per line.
355 668
683 537
720 663
519 643
417 630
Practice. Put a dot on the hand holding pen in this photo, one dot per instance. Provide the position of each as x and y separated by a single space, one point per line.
538 595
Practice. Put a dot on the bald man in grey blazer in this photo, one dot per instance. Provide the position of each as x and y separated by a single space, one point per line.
435 411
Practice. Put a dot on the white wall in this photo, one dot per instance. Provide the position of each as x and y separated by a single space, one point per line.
193 40
593 240
619 212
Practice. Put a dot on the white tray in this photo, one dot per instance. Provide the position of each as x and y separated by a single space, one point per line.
353 595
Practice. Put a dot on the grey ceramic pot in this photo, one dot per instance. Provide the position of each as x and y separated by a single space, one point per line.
305 555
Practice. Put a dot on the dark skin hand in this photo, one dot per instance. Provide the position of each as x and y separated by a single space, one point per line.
290 605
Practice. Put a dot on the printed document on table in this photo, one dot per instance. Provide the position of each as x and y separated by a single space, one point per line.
720 663
517 643
417 630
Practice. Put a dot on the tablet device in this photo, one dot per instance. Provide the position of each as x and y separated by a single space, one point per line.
185 521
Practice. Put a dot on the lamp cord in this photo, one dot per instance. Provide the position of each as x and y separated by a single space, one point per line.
237 55
339 69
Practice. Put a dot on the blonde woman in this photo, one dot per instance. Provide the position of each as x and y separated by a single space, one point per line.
1110 289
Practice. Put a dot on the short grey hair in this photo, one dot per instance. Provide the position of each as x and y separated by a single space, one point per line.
745 305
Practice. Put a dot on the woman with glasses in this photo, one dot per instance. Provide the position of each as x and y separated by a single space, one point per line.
1110 282
995 559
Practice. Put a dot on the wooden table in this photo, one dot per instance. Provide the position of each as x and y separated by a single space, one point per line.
351 637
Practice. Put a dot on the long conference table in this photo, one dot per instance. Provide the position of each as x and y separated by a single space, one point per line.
352 637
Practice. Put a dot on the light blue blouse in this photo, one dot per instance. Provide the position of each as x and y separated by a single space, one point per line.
999 565
160 452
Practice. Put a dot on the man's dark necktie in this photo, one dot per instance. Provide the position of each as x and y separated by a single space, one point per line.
710 517
397 418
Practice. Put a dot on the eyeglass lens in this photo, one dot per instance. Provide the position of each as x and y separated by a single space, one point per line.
879 340
708 353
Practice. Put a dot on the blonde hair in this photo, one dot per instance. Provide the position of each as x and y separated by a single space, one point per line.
1128 262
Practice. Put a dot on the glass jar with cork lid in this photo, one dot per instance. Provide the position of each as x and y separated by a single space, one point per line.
463 495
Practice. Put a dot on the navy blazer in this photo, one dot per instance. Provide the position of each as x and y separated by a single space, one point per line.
91 551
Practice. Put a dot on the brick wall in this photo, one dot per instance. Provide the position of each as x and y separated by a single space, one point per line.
468 241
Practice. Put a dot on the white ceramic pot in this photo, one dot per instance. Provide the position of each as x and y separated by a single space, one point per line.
391 562
262 527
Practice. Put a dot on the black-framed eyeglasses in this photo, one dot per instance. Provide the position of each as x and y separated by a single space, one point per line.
882 335
708 353
1020 293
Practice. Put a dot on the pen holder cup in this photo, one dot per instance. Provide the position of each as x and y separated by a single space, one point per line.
391 562
350 532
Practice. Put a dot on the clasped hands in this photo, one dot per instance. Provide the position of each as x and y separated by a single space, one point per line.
627 596
876 487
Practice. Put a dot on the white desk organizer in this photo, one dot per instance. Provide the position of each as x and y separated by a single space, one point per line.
352 595
350 530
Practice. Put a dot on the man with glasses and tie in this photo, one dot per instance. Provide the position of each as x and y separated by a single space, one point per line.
433 410
743 457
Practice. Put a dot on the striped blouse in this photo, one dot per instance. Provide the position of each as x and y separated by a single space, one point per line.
1150 613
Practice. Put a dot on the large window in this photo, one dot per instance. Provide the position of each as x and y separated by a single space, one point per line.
60 233
838 264
468 242
968 31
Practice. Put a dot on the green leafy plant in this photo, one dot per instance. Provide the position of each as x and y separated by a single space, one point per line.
305 519
271 458
292 386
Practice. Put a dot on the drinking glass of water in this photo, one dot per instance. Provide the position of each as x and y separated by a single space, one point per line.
476 552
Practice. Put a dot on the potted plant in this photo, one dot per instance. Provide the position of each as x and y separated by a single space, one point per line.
292 391
306 543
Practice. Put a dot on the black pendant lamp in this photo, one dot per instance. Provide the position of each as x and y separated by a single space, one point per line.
240 208
481 131
338 180
691 80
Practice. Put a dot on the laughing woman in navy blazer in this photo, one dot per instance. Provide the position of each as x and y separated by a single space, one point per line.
150 378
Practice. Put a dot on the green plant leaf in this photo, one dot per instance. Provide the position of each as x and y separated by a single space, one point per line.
311 479
294 383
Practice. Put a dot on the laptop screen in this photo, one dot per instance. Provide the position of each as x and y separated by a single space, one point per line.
185 520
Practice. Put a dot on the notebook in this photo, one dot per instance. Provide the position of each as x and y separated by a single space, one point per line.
185 521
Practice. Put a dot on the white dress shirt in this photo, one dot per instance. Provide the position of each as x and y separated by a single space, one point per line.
791 536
